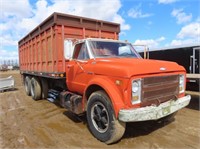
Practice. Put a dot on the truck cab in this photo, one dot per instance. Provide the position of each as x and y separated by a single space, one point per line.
88 58
117 86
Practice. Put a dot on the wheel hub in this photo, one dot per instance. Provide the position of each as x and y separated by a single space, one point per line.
100 118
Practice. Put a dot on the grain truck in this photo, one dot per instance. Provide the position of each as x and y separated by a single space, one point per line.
99 75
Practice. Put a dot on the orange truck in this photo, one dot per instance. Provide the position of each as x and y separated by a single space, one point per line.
96 74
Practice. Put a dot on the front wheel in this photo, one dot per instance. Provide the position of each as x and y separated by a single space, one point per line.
101 119
168 118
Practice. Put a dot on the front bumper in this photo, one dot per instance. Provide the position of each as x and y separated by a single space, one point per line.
153 112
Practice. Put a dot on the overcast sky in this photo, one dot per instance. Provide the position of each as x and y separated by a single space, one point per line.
157 23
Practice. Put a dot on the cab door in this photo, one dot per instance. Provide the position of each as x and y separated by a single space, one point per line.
78 69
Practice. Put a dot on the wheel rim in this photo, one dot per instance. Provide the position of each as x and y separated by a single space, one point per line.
100 118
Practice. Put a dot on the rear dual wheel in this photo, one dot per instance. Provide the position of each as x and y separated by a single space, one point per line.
36 89
44 86
27 85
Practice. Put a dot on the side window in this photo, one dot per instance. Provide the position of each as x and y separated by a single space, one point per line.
80 52
77 49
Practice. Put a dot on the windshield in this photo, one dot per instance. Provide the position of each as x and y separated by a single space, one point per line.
112 49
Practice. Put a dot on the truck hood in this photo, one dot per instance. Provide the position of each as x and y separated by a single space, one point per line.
128 67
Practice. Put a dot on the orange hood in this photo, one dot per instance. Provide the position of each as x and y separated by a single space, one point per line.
128 67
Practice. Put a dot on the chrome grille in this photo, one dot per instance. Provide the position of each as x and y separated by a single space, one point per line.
156 90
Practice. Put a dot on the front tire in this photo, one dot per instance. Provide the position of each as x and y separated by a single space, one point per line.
35 88
168 118
101 119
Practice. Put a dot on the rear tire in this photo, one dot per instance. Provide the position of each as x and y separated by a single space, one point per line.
35 88
27 85
45 88
101 119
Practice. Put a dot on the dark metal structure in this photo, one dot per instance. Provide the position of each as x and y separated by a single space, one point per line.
186 55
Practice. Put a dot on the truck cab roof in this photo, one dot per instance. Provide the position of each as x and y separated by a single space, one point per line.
100 39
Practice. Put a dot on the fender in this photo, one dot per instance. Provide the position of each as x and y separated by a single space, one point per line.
112 91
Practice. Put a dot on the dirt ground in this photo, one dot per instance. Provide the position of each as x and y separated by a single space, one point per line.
25 123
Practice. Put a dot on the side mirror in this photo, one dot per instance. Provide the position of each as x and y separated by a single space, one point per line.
68 49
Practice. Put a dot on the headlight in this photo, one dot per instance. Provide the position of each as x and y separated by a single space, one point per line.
135 87
181 84
136 91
